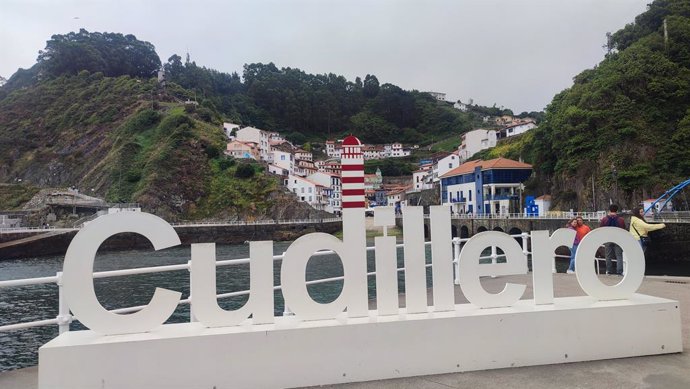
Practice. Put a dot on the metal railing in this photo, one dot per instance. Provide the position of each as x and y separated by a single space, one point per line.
257 222
64 318
194 224
12 230
590 216
670 217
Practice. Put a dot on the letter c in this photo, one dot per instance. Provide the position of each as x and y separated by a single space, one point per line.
77 277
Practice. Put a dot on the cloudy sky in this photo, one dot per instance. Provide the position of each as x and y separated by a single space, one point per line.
514 53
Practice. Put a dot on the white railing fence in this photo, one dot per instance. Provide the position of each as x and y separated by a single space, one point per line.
8 230
64 318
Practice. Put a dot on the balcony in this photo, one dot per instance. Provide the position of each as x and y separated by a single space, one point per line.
500 197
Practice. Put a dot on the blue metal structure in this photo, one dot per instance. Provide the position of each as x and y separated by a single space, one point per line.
670 193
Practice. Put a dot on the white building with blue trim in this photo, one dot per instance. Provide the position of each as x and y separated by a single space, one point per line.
485 187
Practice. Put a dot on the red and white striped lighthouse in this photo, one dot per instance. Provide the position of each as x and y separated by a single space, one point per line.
354 230
352 173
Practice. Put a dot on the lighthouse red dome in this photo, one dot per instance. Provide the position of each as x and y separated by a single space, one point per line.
351 141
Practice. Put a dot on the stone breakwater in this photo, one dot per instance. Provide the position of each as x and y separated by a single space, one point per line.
41 243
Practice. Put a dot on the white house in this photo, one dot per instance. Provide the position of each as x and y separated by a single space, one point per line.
334 149
260 137
396 198
398 151
277 170
307 191
303 155
304 167
460 106
475 141
516 129
372 152
446 164
543 203
281 156
387 151
646 204
335 193
421 180
438 95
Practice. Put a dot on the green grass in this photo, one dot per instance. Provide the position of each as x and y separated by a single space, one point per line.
449 145
14 196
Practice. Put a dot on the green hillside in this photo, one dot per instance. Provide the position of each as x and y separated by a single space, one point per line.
124 139
623 126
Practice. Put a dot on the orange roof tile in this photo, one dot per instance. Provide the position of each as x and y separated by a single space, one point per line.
497 163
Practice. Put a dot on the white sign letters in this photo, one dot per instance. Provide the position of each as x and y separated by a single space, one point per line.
80 294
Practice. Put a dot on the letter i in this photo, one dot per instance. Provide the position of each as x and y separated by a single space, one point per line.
415 260
386 263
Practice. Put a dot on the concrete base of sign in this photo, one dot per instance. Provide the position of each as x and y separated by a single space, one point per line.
290 353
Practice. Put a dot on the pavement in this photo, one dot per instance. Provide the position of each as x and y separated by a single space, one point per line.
668 371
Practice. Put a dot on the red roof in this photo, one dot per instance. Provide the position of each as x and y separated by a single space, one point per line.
351 141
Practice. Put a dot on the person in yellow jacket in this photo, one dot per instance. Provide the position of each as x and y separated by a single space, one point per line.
639 228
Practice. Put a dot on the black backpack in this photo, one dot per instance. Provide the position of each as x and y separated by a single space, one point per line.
613 221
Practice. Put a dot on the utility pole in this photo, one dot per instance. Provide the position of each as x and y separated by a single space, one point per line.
594 196
665 35
614 176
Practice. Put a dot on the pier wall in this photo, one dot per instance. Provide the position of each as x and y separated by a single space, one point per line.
35 244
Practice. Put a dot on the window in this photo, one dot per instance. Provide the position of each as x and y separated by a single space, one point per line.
282 158
450 166
302 189
470 194
310 189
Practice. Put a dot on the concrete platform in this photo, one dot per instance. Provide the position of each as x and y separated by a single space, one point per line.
665 371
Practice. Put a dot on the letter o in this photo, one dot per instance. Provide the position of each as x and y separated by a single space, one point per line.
634 273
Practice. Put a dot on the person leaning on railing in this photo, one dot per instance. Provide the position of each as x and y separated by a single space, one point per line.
639 228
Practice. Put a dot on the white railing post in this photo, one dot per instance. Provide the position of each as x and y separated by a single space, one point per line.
192 318
494 257
286 309
64 318
625 263
456 260
525 247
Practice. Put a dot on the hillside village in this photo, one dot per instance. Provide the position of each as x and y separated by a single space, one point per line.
316 178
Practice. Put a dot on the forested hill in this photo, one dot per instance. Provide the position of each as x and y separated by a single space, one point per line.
315 107
624 126
301 105
91 114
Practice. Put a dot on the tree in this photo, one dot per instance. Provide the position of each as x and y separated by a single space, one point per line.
109 53
244 170
371 86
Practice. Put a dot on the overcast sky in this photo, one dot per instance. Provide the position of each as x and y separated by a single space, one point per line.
514 53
